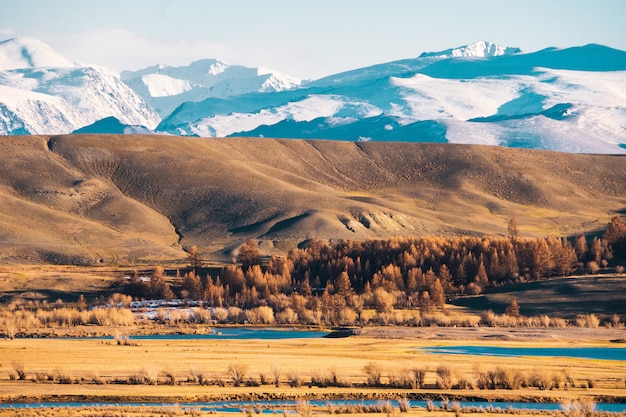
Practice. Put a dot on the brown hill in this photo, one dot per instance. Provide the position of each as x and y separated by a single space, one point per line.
107 198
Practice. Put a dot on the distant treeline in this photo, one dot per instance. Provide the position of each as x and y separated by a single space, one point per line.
401 272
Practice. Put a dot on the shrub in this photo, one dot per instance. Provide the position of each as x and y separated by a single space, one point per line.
150 375
287 316
373 372
592 267
456 408
197 376
170 374
404 404
237 372
235 314
430 405
276 375
18 367
401 379
294 379
419 375
220 314
444 377
304 408
578 408
590 321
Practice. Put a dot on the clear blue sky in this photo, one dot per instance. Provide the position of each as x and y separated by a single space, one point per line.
303 38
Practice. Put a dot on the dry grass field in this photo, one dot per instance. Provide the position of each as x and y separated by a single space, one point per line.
90 367
128 199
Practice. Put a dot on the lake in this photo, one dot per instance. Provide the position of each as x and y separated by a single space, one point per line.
234 333
602 353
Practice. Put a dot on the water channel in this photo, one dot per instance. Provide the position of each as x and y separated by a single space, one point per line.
601 353
232 333
270 407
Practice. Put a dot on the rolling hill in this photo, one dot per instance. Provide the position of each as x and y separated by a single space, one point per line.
130 198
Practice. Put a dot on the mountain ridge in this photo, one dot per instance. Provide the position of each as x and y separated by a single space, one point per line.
165 87
510 95
565 99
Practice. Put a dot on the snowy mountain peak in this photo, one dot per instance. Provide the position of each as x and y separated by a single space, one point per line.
165 88
18 53
479 49
217 68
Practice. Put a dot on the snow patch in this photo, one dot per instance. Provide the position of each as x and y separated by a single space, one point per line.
311 107
429 98
164 86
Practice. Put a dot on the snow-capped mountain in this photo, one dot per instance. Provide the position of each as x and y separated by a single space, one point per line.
479 49
570 100
165 87
42 92
20 53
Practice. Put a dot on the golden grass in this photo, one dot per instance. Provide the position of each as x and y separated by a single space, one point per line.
84 361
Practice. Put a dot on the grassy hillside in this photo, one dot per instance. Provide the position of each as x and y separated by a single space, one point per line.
107 198
561 297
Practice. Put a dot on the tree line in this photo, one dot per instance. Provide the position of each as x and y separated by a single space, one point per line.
382 274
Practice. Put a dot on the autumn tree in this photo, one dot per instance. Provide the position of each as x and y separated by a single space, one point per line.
446 279
383 300
512 309
437 295
193 255
513 228
192 285
249 254
481 277
342 284
615 236
159 287
233 277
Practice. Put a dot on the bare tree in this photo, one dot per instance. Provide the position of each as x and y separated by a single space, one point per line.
237 372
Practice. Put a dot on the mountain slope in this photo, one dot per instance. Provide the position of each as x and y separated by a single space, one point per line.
567 100
165 87
86 198
45 93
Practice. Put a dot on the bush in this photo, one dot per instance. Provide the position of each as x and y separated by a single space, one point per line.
295 381
237 372
373 372
590 321
276 375
304 408
150 375
419 375
18 367
444 377
404 404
